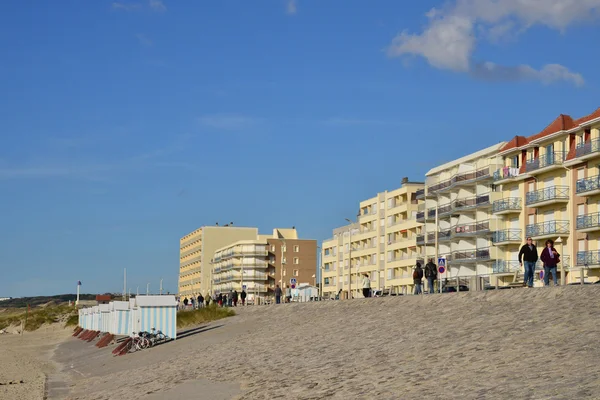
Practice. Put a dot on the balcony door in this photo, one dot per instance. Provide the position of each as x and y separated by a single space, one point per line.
550 154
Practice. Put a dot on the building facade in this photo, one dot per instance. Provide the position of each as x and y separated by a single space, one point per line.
551 189
382 243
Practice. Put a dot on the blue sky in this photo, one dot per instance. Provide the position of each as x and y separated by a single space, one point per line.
125 125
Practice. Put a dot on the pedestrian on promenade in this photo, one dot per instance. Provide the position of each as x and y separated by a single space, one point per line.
418 279
185 302
230 298
200 301
243 297
192 301
366 286
550 258
431 275
528 256
288 294
277 295
220 299
208 299
235 298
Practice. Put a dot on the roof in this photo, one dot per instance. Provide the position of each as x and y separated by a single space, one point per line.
103 297
119 305
156 301
285 233
492 150
562 123
104 307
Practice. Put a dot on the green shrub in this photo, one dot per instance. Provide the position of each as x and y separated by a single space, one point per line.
202 315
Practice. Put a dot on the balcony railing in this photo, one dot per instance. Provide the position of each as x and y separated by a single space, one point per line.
420 216
444 235
586 148
585 258
481 254
506 266
507 235
470 176
588 221
547 194
430 238
587 184
469 229
547 228
445 210
547 160
508 204
420 194
471 202
506 173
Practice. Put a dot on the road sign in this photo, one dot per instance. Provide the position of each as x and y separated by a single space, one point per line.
442 262
442 270
293 281
293 286
244 287
541 274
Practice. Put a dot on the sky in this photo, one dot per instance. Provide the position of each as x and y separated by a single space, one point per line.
126 125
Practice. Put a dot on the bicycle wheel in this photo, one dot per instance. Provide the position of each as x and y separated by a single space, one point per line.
131 346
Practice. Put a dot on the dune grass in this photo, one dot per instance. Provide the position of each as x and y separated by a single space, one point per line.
38 316
202 315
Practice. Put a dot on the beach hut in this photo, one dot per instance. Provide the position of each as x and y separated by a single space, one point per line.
104 321
159 312
95 318
119 318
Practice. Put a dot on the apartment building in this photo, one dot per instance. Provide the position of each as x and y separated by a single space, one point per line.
259 265
381 242
457 215
196 249
550 184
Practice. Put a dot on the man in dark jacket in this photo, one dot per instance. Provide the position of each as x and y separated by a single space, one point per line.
431 275
529 256
418 279
235 298
243 297
277 295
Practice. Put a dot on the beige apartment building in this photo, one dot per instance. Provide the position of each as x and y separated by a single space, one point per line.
259 265
196 250
458 219
382 243
550 189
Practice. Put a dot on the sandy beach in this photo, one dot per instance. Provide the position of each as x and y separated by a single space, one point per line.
520 343
27 359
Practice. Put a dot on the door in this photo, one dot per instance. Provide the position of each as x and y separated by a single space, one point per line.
550 154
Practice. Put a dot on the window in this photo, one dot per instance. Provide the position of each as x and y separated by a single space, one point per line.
283 260
295 272
296 249
296 260
272 248
283 248
327 281
514 161
327 252
284 272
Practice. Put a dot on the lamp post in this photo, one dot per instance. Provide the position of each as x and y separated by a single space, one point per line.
562 261
283 262
350 255
161 287
148 289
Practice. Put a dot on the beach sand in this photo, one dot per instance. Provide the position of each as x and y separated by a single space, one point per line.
27 358
519 343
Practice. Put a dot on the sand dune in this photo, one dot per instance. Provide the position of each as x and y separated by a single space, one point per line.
521 343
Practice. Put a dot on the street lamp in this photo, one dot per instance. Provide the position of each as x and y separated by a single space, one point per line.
283 261
350 255
148 289
562 261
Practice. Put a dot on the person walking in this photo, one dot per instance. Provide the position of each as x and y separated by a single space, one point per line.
431 275
288 294
235 298
192 300
185 302
230 298
243 297
550 258
200 301
277 295
528 256
366 286
418 279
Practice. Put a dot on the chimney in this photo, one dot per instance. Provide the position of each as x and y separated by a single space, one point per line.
405 180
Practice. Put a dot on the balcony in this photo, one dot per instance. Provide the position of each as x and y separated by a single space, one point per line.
420 194
470 177
421 238
444 235
506 174
421 216
445 210
546 230
507 206
471 256
551 195
506 266
587 258
507 236
588 222
589 149
430 215
472 203
469 230
546 162
588 186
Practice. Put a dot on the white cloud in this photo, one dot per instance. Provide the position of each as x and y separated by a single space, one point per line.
450 37
144 41
126 6
227 121
346 122
157 5
291 7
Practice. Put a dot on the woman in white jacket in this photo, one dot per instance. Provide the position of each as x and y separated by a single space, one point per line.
366 286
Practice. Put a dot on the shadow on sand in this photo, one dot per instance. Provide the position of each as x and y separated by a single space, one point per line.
195 331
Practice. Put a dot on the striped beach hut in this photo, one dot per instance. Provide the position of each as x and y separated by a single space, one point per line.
119 318
95 318
159 312
104 322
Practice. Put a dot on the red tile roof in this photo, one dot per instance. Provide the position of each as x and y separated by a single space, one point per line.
561 123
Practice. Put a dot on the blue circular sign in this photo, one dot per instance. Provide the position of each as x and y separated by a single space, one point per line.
442 270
